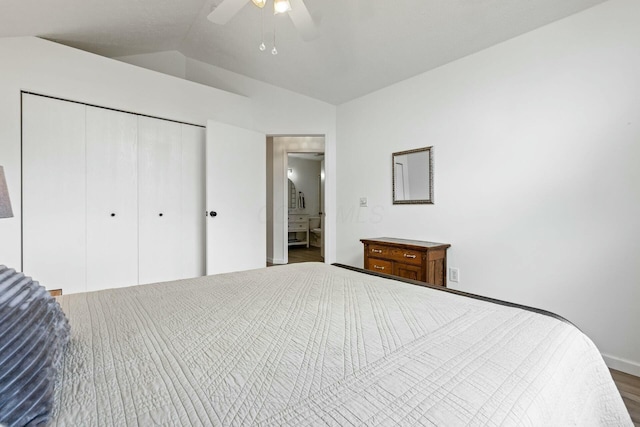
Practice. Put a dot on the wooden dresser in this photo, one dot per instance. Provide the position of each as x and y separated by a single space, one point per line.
411 259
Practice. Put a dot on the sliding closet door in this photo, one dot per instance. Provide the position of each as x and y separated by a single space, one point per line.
159 208
193 201
237 193
54 193
112 199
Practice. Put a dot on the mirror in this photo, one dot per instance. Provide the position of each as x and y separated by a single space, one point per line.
292 195
413 176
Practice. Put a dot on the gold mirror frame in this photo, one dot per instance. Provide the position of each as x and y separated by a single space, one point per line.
292 195
424 193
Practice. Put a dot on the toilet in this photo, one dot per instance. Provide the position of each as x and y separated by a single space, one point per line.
315 231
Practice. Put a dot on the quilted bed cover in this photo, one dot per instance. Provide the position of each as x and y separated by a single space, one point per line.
313 344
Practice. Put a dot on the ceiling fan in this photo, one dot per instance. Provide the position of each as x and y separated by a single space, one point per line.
297 10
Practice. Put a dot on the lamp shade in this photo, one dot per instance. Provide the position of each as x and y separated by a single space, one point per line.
281 6
5 203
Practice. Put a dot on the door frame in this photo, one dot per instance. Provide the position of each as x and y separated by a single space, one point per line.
285 206
277 181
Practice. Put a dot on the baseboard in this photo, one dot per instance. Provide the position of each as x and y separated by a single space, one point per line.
622 365
275 260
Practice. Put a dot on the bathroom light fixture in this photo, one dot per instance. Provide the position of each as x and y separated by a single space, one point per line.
259 3
290 171
5 202
281 6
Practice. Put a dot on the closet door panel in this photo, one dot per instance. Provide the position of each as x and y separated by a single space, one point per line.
112 201
193 201
236 191
54 193
159 200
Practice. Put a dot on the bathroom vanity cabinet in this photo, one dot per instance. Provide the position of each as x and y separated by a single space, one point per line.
298 229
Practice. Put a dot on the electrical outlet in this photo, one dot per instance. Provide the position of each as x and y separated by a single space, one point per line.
363 202
454 275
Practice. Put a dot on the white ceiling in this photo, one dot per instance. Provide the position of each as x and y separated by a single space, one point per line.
364 45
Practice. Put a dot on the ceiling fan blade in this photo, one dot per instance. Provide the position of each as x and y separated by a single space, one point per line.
302 20
225 11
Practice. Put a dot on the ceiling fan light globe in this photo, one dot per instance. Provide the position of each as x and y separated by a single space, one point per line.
259 3
281 6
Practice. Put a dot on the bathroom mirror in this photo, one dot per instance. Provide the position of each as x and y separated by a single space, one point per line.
413 176
292 195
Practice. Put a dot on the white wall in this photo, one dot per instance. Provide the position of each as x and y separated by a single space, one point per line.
276 112
279 112
537 177
305 175
48 68
169 62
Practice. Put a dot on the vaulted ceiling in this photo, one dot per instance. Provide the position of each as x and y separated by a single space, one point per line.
362 45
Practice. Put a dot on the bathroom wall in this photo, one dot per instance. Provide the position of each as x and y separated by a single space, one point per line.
305 175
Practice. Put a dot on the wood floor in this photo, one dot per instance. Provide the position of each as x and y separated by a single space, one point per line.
629 387
302 254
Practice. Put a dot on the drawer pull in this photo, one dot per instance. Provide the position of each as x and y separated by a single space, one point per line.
376 251
409 256
377 267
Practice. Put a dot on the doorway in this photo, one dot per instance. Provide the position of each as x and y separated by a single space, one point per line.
281 202
305 200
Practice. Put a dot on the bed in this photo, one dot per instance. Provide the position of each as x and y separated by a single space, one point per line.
315 344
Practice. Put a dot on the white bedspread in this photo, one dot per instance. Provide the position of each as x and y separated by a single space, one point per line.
311 344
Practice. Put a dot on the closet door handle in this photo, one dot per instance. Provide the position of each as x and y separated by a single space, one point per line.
113 214
160 214
213 213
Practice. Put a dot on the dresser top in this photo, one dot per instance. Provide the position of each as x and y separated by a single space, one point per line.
405 242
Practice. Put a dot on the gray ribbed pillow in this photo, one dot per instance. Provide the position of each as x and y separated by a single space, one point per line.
33 333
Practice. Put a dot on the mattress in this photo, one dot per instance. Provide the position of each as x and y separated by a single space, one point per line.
313 344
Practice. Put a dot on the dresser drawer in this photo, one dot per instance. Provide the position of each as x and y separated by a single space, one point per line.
407 256
408 271
297 226
379 251
380 265
298 218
